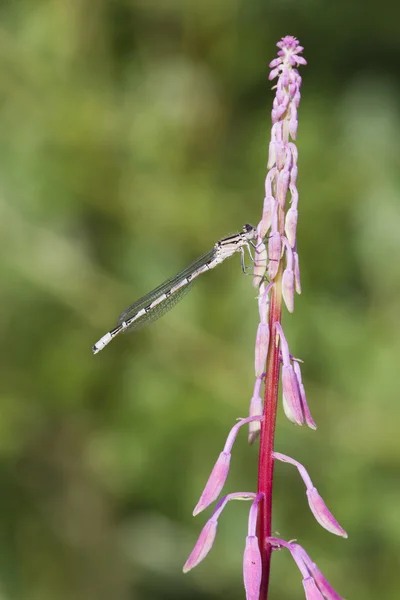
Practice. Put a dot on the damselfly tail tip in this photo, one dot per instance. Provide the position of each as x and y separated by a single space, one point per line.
102 343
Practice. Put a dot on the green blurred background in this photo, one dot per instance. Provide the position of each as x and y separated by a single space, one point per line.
133 134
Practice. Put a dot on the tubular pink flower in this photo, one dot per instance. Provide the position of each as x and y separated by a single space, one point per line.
288 289
203 545
252 567
288 278
323 584
206 538
219 473
294 397
283 184
215 483
269 200
309 571
290 387
291 225
316 503
324 517
291 396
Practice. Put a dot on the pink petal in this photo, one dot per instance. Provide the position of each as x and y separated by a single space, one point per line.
203 545
215 482
322 514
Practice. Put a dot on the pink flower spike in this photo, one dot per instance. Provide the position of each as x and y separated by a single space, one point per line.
311 590
291 396
203 545
215 482
261 350
252 568
274 252
324 517
260 263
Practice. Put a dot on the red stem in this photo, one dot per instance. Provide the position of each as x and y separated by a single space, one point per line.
267 435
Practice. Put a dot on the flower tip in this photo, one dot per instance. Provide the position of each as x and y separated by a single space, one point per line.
215 482
311 590
322 514
203 545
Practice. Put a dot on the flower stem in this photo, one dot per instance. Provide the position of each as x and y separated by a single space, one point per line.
267 433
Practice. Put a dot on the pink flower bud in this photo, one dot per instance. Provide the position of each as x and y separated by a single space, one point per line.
282 187
288 289
306 411
322 514
256 408
261 350
297 272
280 152
274 252
291 225
252 568
271 155
203 545
293 122
265 222
291 396
215 482
323 584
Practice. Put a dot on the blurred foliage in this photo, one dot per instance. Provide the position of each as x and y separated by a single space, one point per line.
134 133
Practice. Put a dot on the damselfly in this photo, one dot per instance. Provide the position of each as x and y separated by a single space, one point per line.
165 296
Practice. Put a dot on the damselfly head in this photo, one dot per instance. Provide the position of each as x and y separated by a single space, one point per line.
249 231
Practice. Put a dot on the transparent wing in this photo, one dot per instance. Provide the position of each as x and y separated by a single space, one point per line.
160 309
163 288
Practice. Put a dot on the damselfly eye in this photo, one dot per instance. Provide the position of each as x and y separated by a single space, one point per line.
247 228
